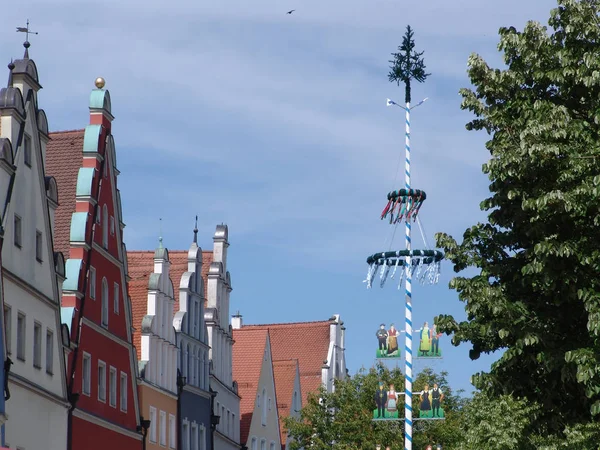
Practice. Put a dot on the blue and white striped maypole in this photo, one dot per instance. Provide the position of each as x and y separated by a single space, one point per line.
408 419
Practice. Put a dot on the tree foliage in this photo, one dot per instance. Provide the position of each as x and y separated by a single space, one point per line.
407 64
537 291
342 420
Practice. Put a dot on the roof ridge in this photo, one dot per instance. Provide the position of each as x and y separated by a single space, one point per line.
280 324
78 130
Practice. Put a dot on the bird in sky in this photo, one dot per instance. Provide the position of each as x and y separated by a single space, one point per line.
289 12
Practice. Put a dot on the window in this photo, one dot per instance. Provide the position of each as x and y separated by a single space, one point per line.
92 280
186 436
49 352
263 444
264 408
254 444
272 446
87 374
37 345
295 402
270 404
172 431
38 245
112 225
112 385
17 237
163 428
228 423
8 327
101 381
104 302
152 424
27 150
105 226
194 437
123 392
98 215
116 298
202 438
21 336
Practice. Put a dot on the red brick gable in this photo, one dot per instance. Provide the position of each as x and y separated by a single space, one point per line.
64 154
308 342
285 375
248 351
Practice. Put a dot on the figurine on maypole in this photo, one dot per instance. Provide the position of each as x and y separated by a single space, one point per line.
404 205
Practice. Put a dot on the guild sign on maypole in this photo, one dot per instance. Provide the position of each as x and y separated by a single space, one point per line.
404 205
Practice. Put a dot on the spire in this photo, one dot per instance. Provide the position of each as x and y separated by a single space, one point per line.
11 66
160 244
196 231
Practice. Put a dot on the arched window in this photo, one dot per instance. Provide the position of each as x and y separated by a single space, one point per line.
105 226
202 365
264 407
295 402
184 360
104 302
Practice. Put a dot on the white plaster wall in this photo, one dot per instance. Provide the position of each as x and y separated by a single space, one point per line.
34 309
227 398
34 422
270 431
224 444
30 202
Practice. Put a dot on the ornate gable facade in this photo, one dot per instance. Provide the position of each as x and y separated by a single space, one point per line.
31 271
153 301
220 339
102 368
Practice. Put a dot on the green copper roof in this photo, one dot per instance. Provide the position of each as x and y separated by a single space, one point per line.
100 99
78 223
91 138
72 270
84 181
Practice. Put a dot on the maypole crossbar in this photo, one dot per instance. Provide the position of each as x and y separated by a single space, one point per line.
404 205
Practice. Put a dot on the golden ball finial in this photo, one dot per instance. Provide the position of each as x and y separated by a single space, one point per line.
99 82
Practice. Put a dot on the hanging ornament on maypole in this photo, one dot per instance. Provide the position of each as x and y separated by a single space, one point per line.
404 205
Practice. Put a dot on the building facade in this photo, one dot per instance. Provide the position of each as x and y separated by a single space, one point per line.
31 271
102 368
318 346
253 371
220 339
6 173
153 301
192 339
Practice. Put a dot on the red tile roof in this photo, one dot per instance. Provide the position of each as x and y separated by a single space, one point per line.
64 157
247 355
140 265
308 342
285 375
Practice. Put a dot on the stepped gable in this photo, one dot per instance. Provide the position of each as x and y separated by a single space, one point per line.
285 375
179 265
248 352
308 342
65 153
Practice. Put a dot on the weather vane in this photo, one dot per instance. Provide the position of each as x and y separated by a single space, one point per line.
26 30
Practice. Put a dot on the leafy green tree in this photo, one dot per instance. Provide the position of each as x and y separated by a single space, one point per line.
502 423
537 290
342 420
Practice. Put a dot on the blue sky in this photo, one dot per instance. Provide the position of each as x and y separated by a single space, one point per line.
276 125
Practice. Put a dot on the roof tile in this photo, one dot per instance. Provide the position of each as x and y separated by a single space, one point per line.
247 356
285 375
308 342
64 157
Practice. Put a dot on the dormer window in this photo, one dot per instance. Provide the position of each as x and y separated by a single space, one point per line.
27 150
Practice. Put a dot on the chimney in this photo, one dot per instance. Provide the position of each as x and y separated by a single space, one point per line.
236 321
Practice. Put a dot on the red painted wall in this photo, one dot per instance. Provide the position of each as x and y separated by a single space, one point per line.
89 436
